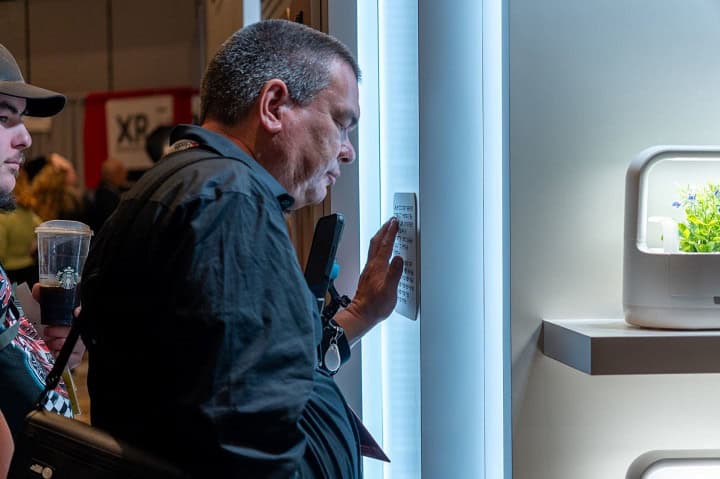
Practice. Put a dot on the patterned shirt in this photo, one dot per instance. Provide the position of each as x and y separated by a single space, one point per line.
24 364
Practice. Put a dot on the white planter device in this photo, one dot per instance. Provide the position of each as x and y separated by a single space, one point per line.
664 288
676 464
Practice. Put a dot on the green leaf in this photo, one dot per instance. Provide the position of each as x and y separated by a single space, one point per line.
700 231
684 230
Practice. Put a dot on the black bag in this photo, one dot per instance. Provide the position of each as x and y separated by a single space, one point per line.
53 446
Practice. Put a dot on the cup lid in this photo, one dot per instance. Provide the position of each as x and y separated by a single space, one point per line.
64 227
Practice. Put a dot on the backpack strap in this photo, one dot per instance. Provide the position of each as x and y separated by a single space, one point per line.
167 167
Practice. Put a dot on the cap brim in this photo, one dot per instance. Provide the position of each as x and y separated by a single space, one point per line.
40 102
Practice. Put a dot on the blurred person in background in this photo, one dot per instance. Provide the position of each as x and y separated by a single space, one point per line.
54 188
107 195
18 243
157 143
68 169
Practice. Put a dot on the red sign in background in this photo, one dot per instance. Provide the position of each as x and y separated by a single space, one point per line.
95 127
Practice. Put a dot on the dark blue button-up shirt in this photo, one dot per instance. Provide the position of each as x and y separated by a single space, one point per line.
201 330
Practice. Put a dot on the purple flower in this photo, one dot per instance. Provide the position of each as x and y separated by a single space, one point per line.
692 196
676 204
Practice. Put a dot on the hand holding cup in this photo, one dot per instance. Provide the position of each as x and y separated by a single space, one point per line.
55 336
62 249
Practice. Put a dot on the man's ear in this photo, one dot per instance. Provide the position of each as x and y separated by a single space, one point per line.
274 97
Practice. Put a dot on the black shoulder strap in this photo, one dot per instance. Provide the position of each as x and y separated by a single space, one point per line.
175 162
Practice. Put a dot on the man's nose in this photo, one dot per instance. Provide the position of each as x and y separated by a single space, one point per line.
21 138
347 152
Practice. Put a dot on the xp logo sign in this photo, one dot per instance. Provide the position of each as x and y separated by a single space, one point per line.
129 121
133 128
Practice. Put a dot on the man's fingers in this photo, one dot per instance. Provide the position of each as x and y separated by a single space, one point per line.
395 271
57 343
52 332
375 242
388 240
382 243
379 237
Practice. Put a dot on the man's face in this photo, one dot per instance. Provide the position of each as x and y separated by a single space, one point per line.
316 140
14 138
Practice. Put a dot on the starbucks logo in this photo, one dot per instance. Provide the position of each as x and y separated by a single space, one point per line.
67 278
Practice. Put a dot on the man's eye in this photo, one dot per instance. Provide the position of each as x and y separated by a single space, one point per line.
343 129
4 119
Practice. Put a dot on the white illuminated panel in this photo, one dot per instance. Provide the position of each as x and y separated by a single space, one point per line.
399 171
368 166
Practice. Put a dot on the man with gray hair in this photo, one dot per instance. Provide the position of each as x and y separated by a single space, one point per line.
193 290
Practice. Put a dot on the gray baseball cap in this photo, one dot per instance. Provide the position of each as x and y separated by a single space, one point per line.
40 102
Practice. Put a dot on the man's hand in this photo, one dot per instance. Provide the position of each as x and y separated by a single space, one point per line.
54 336
376 295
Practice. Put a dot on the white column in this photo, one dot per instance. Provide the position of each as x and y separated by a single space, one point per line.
461 209
252 12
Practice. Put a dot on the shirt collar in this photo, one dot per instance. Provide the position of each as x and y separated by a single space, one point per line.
223 146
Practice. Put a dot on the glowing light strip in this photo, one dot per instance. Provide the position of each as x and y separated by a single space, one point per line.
369 192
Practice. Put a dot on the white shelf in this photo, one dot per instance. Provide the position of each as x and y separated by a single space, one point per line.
611 346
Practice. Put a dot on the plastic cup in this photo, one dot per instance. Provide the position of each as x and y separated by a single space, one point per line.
62 249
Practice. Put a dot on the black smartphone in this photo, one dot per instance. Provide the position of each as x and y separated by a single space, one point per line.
326 238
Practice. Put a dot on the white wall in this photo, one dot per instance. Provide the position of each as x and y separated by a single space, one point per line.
591 84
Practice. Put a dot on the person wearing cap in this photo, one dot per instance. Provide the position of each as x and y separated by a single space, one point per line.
193 290
25 356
